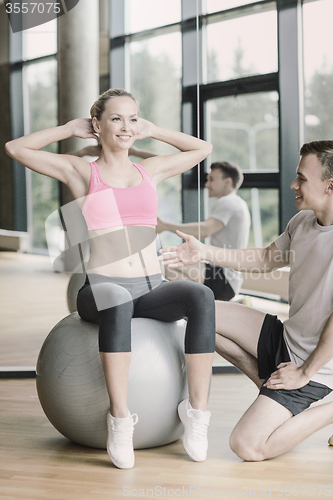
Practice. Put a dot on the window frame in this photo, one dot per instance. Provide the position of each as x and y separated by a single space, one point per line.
196 93
23 207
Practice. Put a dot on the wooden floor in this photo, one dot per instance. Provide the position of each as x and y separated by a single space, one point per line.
36 462
32 301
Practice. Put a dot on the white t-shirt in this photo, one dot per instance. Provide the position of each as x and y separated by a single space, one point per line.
233 212
310 287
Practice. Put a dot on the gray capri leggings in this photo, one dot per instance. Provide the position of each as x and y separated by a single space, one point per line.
113 302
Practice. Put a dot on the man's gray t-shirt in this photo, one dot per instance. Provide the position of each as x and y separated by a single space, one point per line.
310 248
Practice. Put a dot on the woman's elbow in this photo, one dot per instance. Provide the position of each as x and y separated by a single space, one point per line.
14 151
10 149
209 148
205 150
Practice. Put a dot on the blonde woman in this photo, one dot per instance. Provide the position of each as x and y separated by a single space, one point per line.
119 202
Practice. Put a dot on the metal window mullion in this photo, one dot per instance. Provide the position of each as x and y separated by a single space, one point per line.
191 73
16 107
20 206
290 109
118 58
28 172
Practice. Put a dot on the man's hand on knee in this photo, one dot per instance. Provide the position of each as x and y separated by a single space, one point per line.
288 376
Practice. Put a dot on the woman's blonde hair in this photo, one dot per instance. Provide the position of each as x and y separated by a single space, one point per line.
98 107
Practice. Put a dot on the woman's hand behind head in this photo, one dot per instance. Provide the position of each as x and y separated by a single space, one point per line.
145 129
82 127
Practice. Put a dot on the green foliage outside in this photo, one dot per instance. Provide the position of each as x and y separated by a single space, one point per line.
43 114
269 204
318 104
155 81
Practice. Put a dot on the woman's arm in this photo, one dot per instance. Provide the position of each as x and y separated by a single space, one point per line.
87 151
141 153
192 151
26 149
97 149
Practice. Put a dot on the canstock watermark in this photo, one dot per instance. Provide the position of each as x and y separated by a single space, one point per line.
28 14
253 261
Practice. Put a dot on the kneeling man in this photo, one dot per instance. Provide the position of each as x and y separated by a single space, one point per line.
290 362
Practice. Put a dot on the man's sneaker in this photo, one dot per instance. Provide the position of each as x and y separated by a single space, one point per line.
120 440
196 424
330 441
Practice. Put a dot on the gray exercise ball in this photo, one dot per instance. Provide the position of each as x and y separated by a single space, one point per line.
72 390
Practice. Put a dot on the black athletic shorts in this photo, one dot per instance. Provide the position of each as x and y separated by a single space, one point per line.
272 351
215 280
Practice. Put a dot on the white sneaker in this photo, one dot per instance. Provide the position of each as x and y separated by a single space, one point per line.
120 440
196 424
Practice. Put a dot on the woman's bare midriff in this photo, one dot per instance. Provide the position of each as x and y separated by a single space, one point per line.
127 252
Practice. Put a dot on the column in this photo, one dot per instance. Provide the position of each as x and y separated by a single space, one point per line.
78 68
78 82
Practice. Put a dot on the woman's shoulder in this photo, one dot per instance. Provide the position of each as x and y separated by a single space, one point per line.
148 165
79 177
81 166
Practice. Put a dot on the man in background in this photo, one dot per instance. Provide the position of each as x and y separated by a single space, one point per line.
227 226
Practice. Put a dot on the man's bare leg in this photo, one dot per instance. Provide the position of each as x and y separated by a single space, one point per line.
238 357
268 429
238 328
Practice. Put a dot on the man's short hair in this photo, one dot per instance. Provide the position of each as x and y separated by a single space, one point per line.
230 169
324 152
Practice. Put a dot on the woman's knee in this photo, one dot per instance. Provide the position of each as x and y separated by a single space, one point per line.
201 297
208 295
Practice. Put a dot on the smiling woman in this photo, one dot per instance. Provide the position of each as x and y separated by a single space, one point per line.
119 202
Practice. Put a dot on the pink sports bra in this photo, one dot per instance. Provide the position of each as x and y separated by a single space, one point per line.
106 206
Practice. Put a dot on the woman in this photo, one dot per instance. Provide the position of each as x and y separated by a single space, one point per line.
119 202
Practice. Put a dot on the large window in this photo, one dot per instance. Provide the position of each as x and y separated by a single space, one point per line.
41 112
235 84
318 69
160 14
35 69
216 5
40 41
264 209
242 46
242 84
154 75
244 129
155 67
242 121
